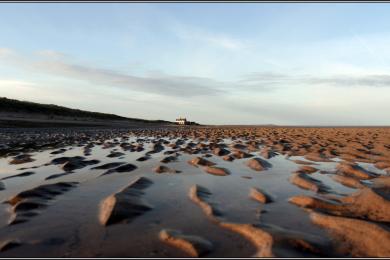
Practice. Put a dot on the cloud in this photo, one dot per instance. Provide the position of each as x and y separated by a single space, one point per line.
52 63
166 85
353 81
154 83
341 80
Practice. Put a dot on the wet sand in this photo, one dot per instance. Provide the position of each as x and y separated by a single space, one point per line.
195 192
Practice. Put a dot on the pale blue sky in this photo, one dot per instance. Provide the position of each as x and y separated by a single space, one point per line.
226 63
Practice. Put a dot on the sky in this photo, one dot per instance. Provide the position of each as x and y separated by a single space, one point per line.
214 63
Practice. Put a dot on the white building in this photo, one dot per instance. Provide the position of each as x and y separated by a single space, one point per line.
181 121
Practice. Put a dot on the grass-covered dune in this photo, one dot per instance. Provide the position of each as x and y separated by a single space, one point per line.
50 111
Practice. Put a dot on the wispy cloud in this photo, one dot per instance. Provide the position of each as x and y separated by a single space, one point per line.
378 80
51 62
340 80
59 64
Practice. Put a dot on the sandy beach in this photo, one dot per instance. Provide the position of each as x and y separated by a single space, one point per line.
195 192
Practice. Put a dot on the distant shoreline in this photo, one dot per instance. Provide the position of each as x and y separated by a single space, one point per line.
31 122
304 126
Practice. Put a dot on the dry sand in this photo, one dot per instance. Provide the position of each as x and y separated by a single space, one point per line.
195 192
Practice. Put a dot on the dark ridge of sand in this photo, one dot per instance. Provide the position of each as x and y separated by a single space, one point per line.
218 171
164 169
87 150
306 169
198 161
348 181
317 157
351 169
258 164
304 181
57 175
143 158
23 158
23 174
304 162
297 241
228 158
222 151
69 164
107 166
198 194
260 196
238 154
259 238
126 204
169 159
62 150
268 153
120 169
157 147
115 154
262 240
27 204
194 246
9 244
354 237
366 203
72 165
